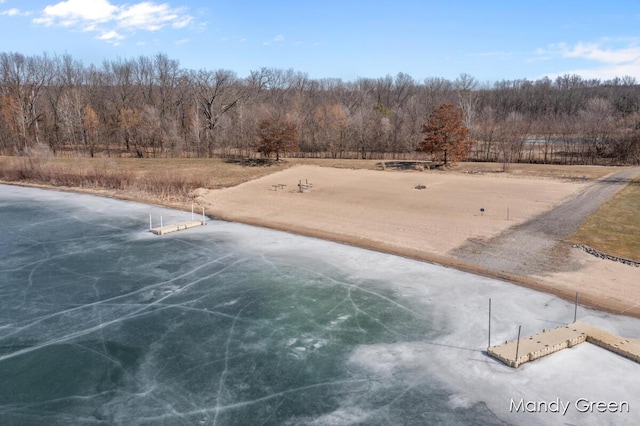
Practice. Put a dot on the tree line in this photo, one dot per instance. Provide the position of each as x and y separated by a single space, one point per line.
150 106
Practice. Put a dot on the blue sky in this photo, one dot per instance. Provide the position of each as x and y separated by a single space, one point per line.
347 39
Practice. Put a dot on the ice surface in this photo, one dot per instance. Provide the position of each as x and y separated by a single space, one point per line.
102 322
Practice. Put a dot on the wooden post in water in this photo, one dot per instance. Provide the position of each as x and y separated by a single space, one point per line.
160 225
489 341
518 346
150 223
575 309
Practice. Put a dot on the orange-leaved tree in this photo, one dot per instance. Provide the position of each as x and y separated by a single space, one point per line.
446 134
276 135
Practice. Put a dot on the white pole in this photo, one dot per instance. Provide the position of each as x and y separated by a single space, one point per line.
191 211
517 347
203 215
150 223
489 342
160 222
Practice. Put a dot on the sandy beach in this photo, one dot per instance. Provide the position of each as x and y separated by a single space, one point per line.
385 211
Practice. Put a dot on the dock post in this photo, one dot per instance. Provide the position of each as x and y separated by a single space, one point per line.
203 220
150 223
160 225
575 309
489 341
517 347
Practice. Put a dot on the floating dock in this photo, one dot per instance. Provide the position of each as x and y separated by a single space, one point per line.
518 352
161 230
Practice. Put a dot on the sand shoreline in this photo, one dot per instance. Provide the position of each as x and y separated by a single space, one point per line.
585 299
381 214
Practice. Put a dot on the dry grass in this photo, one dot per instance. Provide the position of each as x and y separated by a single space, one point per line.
615 227
218 173
155 179
539 170
149 179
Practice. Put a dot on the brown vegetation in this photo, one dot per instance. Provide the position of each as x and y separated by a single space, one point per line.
445 133
277 135
155 180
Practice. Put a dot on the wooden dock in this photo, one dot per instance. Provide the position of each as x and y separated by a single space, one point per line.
161 230
516 352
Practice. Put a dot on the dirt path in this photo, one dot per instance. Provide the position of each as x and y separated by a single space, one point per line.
537 247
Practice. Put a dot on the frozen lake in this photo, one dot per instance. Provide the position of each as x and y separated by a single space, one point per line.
102 322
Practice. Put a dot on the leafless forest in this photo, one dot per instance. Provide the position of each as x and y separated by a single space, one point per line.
151 107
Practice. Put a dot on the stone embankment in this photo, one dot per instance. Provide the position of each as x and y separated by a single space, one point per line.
606 256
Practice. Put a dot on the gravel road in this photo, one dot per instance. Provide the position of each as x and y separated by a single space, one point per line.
537 247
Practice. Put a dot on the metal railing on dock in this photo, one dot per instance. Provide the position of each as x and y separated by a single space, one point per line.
166 229
161 230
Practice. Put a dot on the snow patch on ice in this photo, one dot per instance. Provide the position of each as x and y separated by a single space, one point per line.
459 401
342 416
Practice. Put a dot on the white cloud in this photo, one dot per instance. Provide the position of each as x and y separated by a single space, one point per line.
10 12
152 16
182 41
609 57
112 21
182 21
77 12
596 52
111 37
14 12
277 39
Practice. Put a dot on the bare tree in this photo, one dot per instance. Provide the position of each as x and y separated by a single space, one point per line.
217 92
23 80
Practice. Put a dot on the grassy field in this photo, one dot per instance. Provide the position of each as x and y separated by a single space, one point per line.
217 173
539 170
615 227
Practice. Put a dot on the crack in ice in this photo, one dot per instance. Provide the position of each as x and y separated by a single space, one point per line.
226 364
142 311
121 296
